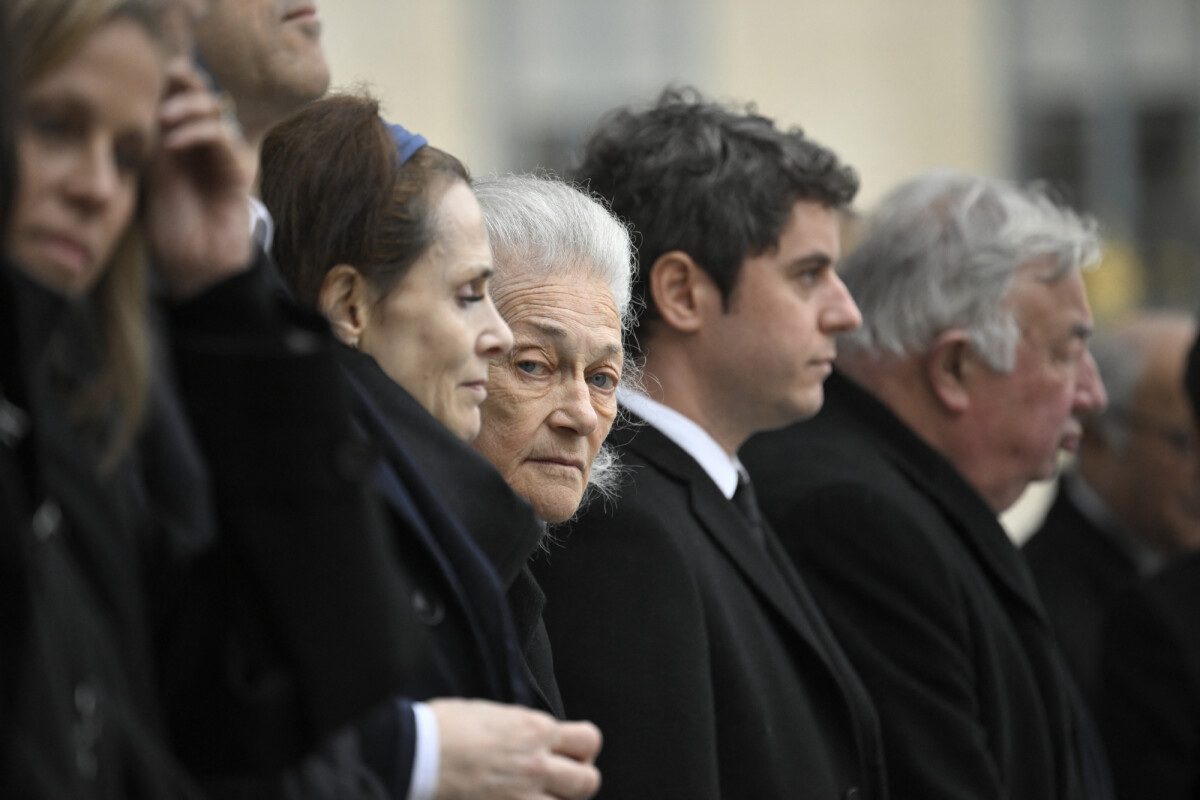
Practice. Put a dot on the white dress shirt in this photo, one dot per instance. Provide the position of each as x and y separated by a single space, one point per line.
723 468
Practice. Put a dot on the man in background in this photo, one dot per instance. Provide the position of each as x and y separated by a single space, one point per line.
970 372
1132 501
266 56
1149 687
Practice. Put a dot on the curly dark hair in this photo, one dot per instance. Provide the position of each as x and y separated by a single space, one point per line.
715 182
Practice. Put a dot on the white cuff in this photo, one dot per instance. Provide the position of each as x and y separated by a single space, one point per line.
427 755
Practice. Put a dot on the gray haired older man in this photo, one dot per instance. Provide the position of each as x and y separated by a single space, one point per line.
971 371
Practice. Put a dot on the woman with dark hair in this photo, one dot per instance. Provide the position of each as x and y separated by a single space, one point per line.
381 233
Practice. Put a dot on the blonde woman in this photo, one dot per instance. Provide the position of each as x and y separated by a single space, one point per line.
134 564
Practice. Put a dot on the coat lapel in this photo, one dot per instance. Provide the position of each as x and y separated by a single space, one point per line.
975 522
760 566
471 578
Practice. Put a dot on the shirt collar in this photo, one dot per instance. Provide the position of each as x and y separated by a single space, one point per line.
694 440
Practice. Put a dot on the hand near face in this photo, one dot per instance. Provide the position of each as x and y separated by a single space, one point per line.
497 752
197 214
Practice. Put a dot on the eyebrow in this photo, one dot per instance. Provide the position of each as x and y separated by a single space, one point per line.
559 334
813 260
473 272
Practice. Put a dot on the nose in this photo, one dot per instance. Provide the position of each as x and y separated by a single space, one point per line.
496 337
841 313
1090 395
94 178
575 411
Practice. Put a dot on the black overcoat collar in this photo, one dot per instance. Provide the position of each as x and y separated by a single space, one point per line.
975 522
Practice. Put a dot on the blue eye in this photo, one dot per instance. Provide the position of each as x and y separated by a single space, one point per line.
531 367
603 381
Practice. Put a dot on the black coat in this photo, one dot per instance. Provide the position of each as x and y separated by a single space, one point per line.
16 502
81 715
1149 698
500 521
930 600
297 588
698 652
218 600
1079 570
457 594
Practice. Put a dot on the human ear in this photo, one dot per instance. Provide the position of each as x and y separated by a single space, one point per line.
949 367
679 289
343 301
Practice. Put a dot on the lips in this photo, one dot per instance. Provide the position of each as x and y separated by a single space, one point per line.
1070 439
560 461
301 12
826 358
65 249
478 387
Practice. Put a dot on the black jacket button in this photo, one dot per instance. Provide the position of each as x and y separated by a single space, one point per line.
429 610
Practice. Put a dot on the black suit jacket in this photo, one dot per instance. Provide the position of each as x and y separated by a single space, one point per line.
1149 698
698 652
1079 570
931 601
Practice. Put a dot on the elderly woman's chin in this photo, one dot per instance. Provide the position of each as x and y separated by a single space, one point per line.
551 482
554 498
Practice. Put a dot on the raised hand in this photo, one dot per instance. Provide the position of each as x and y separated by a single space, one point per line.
197 191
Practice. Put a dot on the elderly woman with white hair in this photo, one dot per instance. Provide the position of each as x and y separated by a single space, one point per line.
562 283
563 270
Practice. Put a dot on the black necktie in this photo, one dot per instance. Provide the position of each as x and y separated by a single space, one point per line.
747 503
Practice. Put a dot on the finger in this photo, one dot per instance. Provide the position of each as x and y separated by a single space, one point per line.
578 740
570 780
181 108
197 133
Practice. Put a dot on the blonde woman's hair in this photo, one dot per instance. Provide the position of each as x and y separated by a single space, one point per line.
46 33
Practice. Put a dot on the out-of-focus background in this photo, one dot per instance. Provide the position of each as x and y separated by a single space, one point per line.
1099 97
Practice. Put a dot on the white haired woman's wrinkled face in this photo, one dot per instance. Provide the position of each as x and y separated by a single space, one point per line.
552 400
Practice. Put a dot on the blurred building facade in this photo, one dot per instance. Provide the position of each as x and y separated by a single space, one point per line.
1101 98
